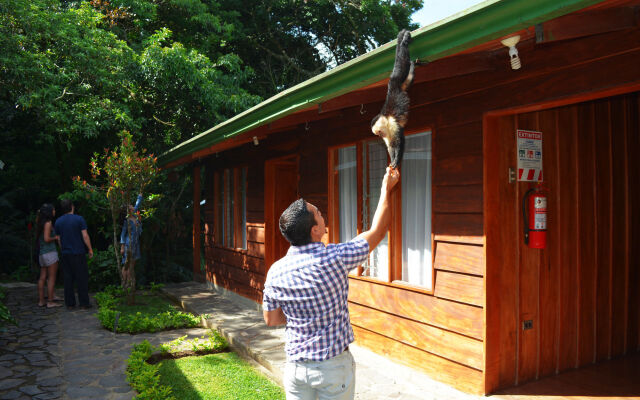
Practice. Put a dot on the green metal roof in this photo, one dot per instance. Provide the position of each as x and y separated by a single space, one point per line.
484 22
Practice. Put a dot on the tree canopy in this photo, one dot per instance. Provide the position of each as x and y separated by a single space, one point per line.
73 74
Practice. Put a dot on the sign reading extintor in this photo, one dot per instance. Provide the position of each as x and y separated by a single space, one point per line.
529 155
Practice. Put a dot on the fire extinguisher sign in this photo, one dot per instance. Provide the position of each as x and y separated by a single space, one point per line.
529 155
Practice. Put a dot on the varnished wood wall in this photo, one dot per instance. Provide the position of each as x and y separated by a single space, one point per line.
466 332
238 270
581 292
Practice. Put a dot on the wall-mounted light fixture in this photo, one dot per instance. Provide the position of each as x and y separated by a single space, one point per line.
513 52
255 141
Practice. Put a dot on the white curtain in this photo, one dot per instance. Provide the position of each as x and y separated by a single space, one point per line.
348 192
416 211
376 160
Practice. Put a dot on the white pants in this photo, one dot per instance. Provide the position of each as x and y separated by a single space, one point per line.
332 379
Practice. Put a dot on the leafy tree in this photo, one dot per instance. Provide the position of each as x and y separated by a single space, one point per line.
74 73
289 41
283 41
182 92
126 172
61 69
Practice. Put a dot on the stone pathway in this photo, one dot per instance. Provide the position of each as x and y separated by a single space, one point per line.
55 353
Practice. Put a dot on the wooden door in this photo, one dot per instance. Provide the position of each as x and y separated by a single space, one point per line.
281 189
579 292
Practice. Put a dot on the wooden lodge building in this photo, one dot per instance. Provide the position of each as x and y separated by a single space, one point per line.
453 290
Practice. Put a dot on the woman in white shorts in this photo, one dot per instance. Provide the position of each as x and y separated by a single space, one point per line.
48 255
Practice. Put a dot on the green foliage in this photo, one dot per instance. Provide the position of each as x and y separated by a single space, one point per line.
5 316
103 270
127 172
61 66
155 287
17 238
186 91
145 378
75 73
23 274
289 41
151 314
222 376
94 208
213 342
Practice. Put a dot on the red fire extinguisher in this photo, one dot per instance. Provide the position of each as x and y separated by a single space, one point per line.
535 223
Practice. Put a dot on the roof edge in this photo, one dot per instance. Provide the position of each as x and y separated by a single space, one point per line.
486 21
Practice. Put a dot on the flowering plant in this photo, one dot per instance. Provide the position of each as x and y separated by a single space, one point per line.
124 172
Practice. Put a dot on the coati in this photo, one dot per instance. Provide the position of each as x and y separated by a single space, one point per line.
393 117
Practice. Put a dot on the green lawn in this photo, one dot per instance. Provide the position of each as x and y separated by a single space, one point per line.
216 376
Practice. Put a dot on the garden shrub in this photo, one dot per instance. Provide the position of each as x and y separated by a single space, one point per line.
144 377
156 317
103 271
5 316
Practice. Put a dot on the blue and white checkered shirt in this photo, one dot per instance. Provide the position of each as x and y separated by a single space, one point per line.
311 286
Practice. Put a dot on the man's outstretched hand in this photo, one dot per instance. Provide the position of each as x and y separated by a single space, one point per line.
391 178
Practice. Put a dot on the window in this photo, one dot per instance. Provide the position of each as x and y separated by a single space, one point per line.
230 207
404 255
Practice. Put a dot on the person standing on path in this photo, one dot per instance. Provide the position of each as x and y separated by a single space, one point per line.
307 290
74 243
130 239
47 255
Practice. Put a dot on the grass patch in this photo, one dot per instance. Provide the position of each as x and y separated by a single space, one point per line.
151 313
216 376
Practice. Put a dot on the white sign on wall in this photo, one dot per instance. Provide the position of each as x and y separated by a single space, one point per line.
529 155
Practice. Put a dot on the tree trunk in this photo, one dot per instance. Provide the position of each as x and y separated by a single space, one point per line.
129 281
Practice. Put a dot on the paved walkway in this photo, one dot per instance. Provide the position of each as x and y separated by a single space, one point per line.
61 354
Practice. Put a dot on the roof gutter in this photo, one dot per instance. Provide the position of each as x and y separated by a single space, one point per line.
486 21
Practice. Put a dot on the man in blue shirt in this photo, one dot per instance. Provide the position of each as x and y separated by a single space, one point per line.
307 290
74 244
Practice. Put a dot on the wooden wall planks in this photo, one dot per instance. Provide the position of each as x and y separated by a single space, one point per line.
566 215
580 290
457 375
552 287
460 287
603 180
444 343
457 317
456 257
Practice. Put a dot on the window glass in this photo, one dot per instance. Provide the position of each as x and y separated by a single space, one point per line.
219 195
416 210
375 160
358 172
228 177
230 198
348 192
243 195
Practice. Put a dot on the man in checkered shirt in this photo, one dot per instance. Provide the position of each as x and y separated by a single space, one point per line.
307 290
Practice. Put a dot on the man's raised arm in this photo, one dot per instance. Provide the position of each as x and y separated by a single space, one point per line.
382 216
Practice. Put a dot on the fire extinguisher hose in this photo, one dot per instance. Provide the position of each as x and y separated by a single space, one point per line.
524 214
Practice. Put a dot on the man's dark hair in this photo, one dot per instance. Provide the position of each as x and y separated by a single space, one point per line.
296 223
65 206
